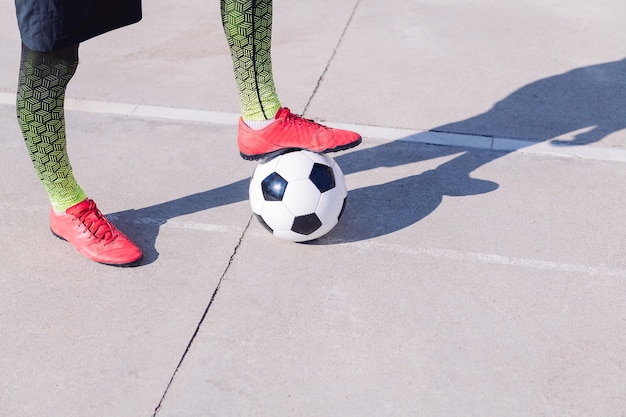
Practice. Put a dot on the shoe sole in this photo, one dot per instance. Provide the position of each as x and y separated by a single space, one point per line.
126 265
273 154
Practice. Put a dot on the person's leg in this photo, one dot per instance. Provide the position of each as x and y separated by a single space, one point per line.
265 128
40 111
248 28
40 100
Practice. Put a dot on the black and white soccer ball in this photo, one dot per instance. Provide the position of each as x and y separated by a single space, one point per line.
298 196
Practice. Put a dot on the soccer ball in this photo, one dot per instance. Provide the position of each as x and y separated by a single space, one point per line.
298 196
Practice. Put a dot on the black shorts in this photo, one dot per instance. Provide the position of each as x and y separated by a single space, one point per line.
47 25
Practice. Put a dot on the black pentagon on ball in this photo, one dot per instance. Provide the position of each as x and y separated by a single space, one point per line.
305 225
323 177
273 187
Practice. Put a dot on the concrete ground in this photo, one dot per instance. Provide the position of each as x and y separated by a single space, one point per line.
479 269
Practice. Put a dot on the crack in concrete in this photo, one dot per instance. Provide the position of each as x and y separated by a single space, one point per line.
204 315
332 57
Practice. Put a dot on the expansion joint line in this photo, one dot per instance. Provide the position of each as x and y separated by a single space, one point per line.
204 315
332 57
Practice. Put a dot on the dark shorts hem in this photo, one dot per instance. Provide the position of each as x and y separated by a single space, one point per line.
48 25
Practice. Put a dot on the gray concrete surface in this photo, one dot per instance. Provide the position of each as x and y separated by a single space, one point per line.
461 280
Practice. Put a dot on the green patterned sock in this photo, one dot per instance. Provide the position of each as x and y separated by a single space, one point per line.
40 97
248 28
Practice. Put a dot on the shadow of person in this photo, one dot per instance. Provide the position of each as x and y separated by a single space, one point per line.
583 106
590 99
382 209
579 107
143 225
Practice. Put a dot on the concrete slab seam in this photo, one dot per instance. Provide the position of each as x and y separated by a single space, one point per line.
202 319
332 57
381 133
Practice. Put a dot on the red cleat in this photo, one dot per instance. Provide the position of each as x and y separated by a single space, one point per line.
291 132
84 226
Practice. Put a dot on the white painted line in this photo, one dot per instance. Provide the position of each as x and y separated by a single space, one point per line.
418 136
436 253
7 98
101 107
452 139
188 115
197 226
491 259
549 148
373 132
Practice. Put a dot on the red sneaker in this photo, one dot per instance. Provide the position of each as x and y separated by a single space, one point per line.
84 226
292 132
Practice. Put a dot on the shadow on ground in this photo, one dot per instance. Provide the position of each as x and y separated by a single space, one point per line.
588 103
